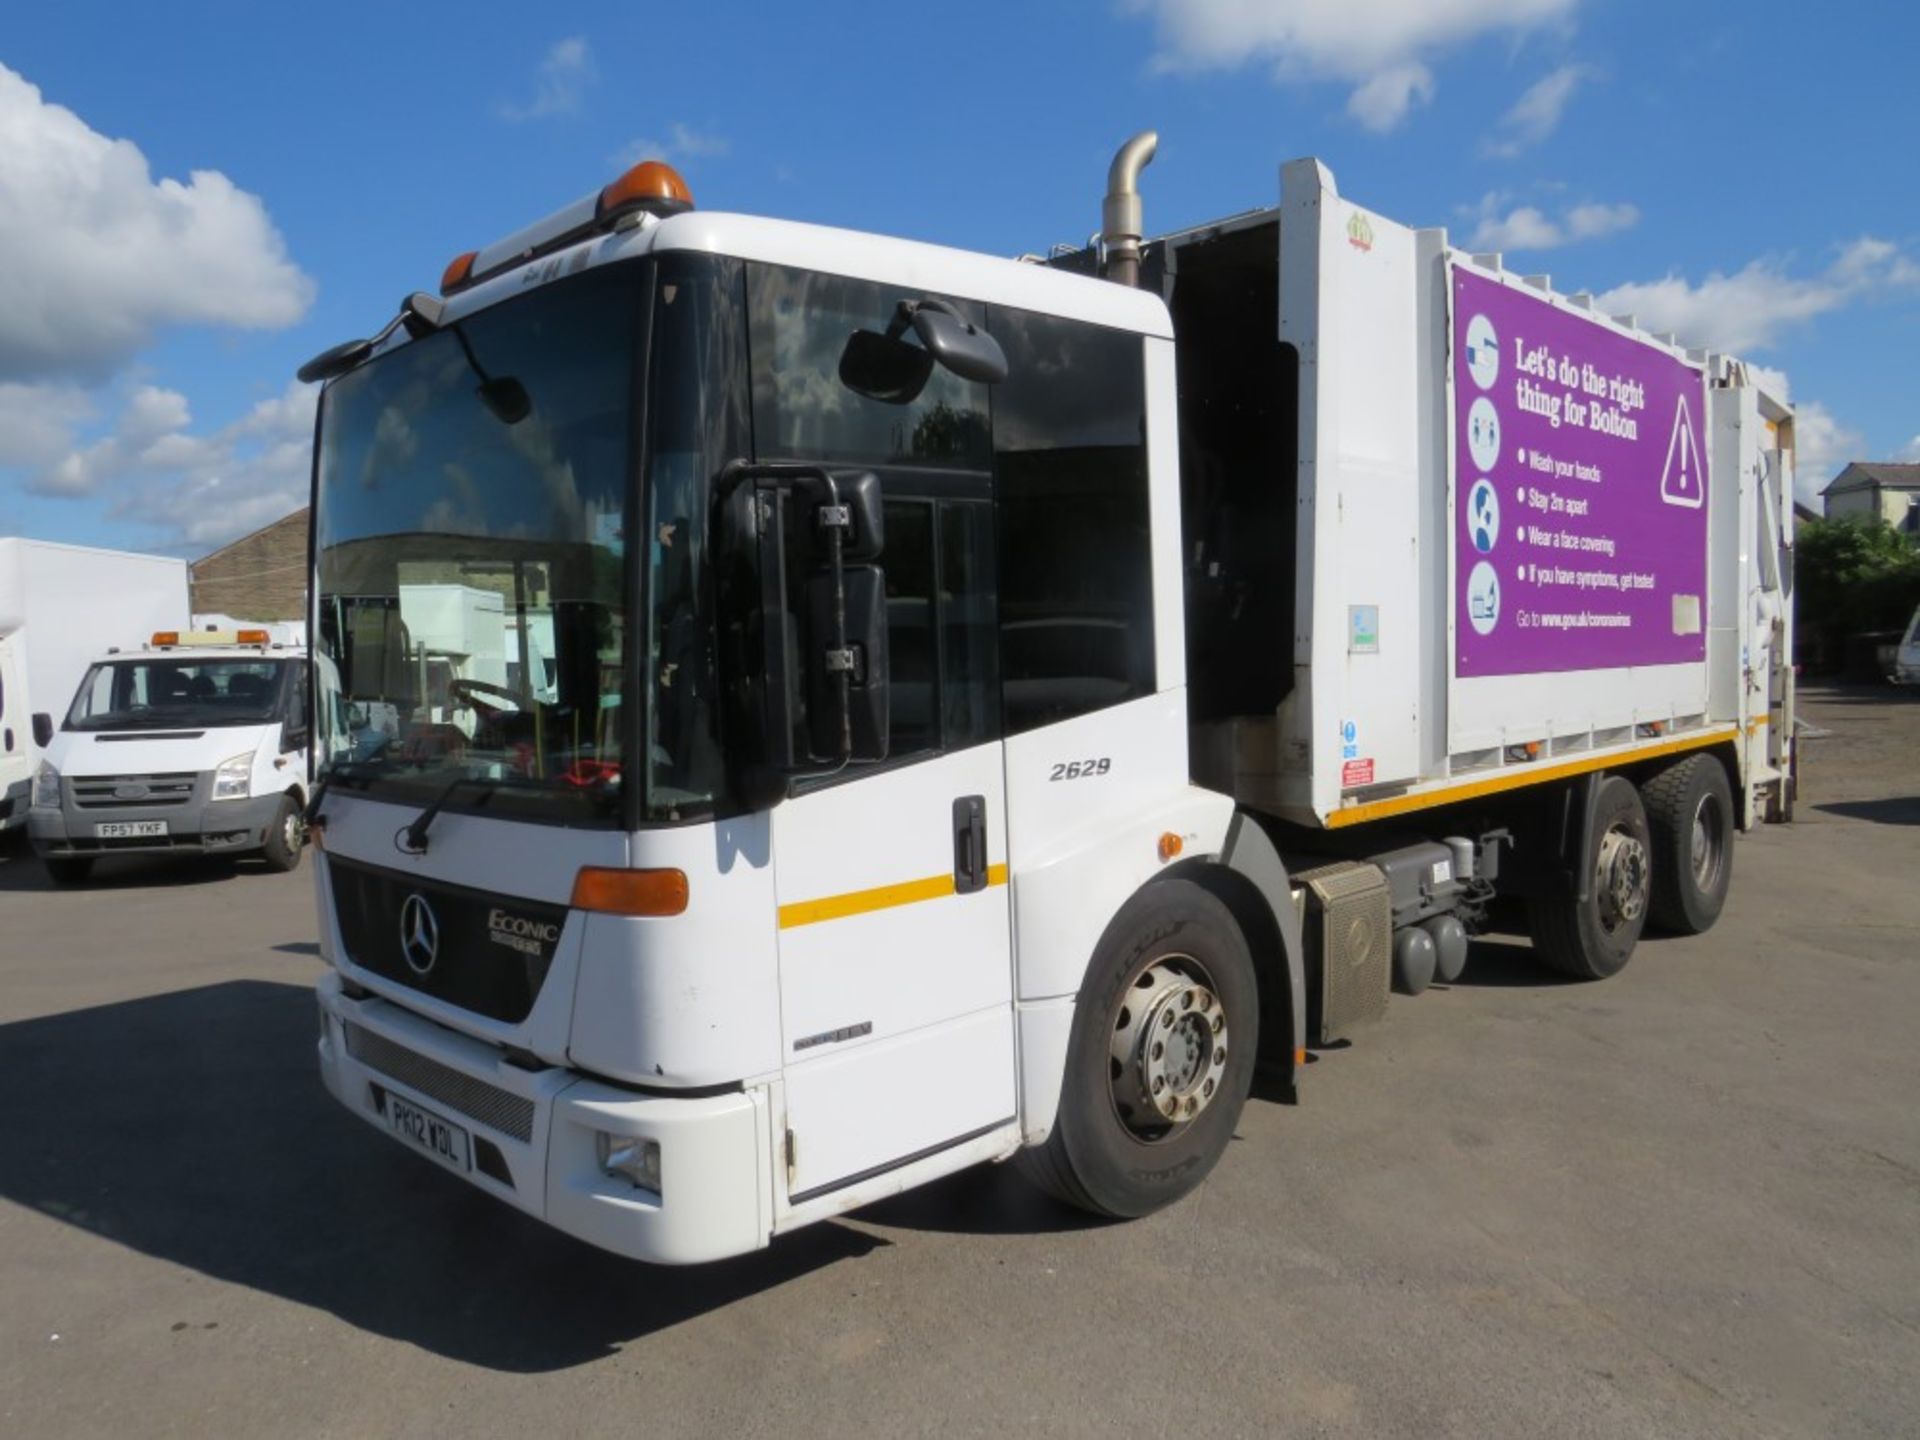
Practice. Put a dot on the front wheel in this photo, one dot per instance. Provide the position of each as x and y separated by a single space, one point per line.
1160 1059
1592 939
286 834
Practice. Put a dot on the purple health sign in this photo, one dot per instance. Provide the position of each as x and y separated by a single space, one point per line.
1580 538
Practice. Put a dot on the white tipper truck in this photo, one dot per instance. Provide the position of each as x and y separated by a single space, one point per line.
994 704
61 606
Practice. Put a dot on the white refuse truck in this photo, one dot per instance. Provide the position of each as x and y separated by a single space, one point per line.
995 704
60 607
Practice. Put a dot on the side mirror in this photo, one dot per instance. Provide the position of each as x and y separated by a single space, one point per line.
884 368
43 729
862 734
959 345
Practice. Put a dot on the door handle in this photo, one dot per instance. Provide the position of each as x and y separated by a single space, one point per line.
969 844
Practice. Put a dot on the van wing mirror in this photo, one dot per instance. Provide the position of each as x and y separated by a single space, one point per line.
42 729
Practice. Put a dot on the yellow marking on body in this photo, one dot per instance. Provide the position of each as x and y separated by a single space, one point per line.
1518 777
880 897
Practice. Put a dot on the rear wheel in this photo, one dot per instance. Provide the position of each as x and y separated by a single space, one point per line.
68 869
1160 1060
1690 817
1592 939
286 833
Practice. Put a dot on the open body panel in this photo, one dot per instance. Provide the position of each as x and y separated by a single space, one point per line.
1387 603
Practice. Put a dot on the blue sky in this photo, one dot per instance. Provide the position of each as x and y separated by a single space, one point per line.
194 198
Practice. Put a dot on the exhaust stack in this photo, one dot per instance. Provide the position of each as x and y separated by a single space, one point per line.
1121 228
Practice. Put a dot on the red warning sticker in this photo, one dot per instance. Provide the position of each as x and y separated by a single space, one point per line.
1355 773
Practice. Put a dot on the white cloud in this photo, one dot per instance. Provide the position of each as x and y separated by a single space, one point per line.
1774 382
1527 227
200 489
99 255
37 422
1909 453
1381 47
1536 114
683 143
1749 309
1822 449
1382 101
565 72
1591 222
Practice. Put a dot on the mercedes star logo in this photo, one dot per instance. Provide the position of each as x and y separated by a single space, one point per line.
419 934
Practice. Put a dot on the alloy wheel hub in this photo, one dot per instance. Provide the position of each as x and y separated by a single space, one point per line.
1168 1057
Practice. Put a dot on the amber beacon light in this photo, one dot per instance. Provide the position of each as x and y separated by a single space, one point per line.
651 186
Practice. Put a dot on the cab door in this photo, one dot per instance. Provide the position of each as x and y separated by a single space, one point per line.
895 942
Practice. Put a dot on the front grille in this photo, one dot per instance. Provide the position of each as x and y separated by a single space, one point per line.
492 952
127 792
480 1102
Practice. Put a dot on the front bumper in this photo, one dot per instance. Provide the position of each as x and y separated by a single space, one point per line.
532 1134
197 826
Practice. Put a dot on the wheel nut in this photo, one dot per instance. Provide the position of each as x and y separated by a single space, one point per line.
1166 1018
1158 1049
1219 1023
1186 1000
1220 1056
1159 1084
1207 1089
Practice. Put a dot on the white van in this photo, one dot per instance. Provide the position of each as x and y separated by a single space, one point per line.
1906 659
197 748
61 605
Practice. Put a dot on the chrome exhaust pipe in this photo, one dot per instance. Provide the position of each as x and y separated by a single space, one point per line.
1121 227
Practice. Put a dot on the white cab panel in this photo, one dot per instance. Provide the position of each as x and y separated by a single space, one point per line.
897 1024
690 999
1080 846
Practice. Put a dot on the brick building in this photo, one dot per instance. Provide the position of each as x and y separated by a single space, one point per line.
262 576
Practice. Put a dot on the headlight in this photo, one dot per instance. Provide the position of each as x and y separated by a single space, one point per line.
635 1161
46 787
233 779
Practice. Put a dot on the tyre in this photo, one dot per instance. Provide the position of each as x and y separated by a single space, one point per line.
1690 816
1160 1059
286 834
1592 939
68 869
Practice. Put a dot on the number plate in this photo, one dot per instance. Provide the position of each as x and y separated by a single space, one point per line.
128 829
436 1135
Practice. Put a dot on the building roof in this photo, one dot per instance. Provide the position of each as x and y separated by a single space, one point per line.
301 516
1874 475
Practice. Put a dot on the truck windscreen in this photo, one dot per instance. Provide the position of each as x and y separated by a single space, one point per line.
167 693
472 506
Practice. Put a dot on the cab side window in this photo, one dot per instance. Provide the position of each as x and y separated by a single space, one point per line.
1070 492
933 457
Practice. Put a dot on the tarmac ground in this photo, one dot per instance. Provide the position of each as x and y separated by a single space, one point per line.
1683 1202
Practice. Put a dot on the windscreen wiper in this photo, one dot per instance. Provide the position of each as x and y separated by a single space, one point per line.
339 770
413 839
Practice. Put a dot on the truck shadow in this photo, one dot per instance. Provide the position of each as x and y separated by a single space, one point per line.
1507 962
1887 810
985 1200
21 871
193 1127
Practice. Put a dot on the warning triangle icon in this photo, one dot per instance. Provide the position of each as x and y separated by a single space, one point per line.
1684 482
